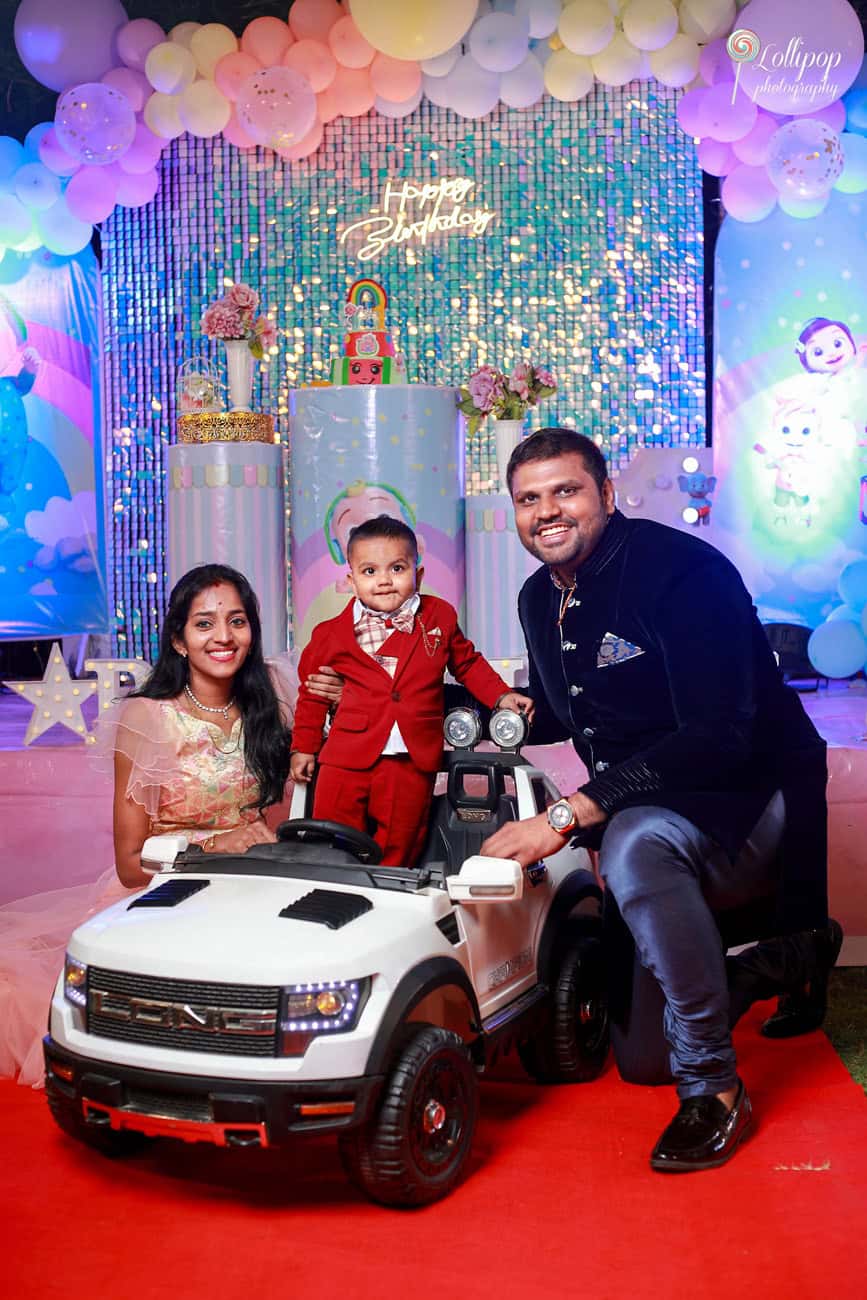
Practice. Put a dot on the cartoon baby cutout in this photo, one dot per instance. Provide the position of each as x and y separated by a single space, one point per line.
831 359
796 451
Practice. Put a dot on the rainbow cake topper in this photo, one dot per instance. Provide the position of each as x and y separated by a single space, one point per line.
366 302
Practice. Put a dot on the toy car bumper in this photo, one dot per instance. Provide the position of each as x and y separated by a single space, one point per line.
198 1108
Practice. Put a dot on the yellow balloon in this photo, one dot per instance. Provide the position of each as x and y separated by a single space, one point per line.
413 29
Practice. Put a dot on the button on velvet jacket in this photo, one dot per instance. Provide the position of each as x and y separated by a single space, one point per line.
663 678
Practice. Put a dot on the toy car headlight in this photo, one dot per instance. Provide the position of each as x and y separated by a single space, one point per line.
308 1010
508 729
462 728
75 981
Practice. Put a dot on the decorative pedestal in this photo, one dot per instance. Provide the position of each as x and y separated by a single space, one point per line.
360 451
497 568
226 504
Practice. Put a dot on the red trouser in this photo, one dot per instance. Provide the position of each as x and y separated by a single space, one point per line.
390 800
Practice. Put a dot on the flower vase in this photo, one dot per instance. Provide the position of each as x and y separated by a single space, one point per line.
239 364
508 435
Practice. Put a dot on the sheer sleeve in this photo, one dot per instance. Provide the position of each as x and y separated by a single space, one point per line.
145 732
284 674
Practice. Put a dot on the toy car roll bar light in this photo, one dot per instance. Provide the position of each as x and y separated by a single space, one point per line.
508 729
462 728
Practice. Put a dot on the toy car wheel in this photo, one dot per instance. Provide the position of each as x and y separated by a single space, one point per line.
572 1045
106 1140
413 1150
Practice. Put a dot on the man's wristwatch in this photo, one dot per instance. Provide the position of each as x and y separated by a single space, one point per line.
562 817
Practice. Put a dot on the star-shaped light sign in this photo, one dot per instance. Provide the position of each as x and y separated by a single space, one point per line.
57 698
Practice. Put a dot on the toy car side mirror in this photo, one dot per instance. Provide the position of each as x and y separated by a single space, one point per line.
159 852
487 880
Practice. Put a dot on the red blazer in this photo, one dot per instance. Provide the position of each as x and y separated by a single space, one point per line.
373 701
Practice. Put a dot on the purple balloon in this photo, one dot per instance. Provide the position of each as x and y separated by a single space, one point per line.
92 194
133 85
135 41
62 43
55 157
144 152
94 123
810 52
276 107
748 194
725 113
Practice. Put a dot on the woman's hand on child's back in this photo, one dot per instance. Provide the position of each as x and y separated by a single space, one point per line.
301 766
519 703
326 684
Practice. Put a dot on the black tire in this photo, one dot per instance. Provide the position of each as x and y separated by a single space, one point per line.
414 1149
68 1117
572 1045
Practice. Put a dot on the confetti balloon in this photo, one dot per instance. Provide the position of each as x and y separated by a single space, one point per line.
94 123
804 158
276 107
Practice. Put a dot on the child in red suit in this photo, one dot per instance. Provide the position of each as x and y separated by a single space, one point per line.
391 646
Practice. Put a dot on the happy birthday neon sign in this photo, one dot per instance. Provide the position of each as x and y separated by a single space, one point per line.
414 213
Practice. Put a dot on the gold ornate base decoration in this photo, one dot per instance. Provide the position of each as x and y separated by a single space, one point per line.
226 426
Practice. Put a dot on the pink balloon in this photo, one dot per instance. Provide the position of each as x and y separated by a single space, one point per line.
689 111
716 158
395 79
753 147
266 40
305 147
236 135
92 193
232 71
313 19
136 40
353 93
144 152
723 119
714 63
136 191
348 46
748 194
55 157
63 43
809 53
327 105
276 107
314 61
133 85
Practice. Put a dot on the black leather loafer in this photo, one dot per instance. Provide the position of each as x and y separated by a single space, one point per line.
703 1134
804 1009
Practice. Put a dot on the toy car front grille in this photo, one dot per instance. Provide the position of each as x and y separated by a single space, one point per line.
184 1015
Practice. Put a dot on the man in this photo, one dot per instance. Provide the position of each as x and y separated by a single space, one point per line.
705 772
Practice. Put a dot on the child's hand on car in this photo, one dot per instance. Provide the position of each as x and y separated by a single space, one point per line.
519 703
301 766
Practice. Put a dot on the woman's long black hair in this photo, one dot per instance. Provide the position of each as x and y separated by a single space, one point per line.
266 737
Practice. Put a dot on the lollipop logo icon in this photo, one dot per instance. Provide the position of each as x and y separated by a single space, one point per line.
743 46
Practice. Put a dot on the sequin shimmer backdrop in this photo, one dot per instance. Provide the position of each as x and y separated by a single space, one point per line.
592 266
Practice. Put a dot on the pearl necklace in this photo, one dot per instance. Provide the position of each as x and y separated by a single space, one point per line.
207 708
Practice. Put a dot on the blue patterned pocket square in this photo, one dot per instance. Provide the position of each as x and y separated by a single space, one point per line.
615 650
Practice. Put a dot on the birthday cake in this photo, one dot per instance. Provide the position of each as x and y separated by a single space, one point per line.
369 355
497 568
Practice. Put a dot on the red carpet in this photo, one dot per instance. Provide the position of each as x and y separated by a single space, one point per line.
560 1202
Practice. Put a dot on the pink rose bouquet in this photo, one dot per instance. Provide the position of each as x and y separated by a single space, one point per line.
234 317
505 397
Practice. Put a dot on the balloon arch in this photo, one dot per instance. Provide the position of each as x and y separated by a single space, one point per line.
782 118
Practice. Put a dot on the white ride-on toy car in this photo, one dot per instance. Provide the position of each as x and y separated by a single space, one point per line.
244 999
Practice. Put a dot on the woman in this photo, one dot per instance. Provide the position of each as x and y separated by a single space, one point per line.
201 749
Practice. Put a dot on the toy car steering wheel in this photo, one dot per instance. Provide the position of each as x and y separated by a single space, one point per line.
360 845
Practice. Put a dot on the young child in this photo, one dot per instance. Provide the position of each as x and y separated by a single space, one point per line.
391 646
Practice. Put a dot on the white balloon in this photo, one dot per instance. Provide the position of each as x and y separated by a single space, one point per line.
568 76
209 44
162 116
203 109
498 42
649 24
183 33
62 232
442 64
853 178
36 186
619 63
677 62
524 85
805 209
586 26
542 15
472 90
170 68
436 89
705 20
16 222
389 109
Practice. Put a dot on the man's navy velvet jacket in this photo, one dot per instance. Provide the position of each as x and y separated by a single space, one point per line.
663 678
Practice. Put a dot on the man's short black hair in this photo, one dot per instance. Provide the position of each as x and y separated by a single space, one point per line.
383 526
549 444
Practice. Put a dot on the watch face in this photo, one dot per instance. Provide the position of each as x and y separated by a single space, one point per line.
561 815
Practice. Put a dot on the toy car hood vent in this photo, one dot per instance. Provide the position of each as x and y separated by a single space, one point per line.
169 893
327 907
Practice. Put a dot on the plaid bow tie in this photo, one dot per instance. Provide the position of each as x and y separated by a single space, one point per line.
372 630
